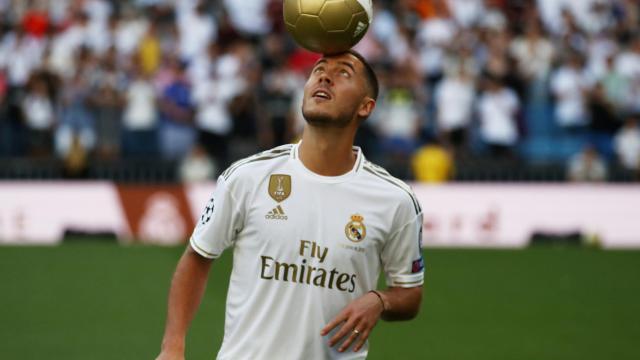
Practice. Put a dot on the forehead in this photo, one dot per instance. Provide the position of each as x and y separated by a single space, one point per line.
345 59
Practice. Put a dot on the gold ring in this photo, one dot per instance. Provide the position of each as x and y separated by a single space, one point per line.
356 332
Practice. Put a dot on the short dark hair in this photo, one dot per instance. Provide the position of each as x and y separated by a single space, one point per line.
370 74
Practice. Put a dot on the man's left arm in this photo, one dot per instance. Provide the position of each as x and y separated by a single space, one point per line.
362 314
403 265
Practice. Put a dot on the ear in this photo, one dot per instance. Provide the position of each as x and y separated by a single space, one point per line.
366 107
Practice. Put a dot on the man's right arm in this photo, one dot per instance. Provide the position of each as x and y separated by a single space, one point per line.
187 288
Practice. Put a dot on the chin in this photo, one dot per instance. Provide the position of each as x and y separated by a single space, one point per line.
318 117
321 116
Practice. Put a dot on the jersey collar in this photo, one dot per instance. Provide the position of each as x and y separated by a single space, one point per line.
327 179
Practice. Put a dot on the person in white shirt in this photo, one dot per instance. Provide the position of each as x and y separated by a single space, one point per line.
196 28
627 64
627 144
197 166
39 116
434 37
20 56
140 117
455 97
311 226
249 16
533 53
498 107
587 166
568 85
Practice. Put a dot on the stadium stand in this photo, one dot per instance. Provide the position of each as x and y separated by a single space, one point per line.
124 90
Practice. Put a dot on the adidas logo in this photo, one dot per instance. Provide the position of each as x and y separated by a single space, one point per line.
276 214
360 28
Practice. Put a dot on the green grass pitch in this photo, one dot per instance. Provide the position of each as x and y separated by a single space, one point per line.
104 301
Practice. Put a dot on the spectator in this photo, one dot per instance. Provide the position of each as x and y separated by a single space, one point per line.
432 163
7 133
247 117
455 97
497 62
177 133
616 87
76 161
140 119
627 64
397 121
108 85
587 166
196 28
249 16
149 51
498 108
39 116
76 116
569 86
197 166
466 12
434 38
129 31
600 54
533 53
627 144
36 21
278 87
65 44
216 85
20 56
604 120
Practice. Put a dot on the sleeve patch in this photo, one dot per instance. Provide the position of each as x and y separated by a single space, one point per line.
417 266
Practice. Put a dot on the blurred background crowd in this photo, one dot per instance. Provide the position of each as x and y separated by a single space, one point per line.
168 90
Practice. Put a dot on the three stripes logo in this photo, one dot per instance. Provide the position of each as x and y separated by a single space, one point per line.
276 214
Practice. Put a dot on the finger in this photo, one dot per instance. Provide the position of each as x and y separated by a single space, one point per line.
346 328
333 323
361 340
350 339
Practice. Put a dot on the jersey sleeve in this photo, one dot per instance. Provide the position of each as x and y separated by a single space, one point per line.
221 220
401 256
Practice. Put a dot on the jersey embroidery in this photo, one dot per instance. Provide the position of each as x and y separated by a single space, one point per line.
279 187
355 229
276 214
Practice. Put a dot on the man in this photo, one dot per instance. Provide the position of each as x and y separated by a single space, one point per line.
311 226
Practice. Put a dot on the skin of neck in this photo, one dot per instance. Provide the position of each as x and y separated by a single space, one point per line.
328 151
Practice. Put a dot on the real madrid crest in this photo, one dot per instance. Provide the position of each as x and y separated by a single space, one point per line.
279 187
355 229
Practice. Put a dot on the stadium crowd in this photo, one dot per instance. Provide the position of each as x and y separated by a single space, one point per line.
207 82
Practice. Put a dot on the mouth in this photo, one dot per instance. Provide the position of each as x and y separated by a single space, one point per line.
321 94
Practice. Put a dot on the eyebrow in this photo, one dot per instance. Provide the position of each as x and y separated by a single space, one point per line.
321 61
348 64
345 63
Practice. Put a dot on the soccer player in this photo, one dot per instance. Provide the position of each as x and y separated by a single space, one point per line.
311 226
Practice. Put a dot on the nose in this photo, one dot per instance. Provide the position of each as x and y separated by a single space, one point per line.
325 78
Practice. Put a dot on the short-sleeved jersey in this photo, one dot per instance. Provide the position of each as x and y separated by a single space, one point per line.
304 246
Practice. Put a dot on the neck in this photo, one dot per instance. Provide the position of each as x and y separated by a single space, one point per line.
327 151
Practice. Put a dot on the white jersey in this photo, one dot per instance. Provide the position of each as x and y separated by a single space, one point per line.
304 246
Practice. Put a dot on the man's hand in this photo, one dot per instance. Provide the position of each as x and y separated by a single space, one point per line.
357 319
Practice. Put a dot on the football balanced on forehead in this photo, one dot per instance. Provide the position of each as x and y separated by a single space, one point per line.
327 26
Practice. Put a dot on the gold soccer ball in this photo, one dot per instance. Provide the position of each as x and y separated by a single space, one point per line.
327 26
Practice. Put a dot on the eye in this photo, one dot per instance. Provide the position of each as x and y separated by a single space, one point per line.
345 73
318 70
